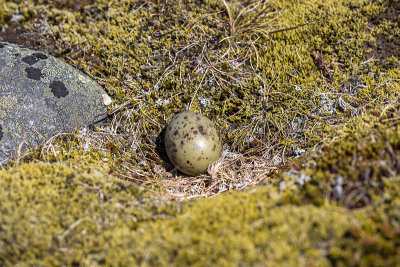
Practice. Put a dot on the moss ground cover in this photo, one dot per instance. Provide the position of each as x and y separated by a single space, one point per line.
327 91
53 210
53 215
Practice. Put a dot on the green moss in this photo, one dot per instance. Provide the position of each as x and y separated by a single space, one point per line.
6 11
362 154
249 228
259 227
52 214
326 85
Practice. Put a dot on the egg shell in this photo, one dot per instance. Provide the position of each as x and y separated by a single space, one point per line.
192 142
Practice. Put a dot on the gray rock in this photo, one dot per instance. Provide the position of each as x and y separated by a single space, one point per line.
41 96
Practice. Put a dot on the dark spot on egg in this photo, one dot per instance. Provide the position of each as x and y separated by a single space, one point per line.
58 89
186 135
195 132
40 55
198 118
186 117
30 60
1 133
201 130
173 144
174 150
34 73
176 132
187 162
16 54
182 143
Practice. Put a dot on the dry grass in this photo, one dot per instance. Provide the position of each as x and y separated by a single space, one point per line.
232 57
128 149
231 171
250 29
113 145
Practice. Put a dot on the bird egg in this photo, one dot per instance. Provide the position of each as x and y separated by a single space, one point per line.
192 142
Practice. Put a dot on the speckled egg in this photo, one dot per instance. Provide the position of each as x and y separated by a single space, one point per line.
192 142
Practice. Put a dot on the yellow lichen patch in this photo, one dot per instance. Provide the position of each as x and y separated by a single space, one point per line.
7 102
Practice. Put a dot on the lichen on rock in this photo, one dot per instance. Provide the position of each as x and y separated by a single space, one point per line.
41 97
